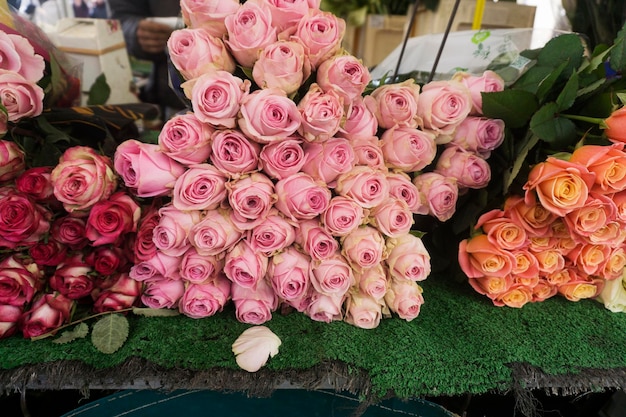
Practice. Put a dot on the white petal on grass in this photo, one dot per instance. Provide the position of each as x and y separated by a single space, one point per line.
254 347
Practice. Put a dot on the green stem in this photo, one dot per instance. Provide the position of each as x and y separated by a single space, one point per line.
53 332
595 120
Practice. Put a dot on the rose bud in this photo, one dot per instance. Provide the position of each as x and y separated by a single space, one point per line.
363 310
195 51
48 312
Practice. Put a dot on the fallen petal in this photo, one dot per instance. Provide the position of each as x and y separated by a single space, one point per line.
254 347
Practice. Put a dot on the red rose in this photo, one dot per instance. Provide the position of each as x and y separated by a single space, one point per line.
144 247
72 278
22 221
110 219
107 260
36 183
9 318
70 231
50 253
120 292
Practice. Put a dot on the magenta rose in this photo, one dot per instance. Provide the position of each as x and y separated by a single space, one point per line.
325 161
208 14
401 187
201 187
321 113
70 231
363 311
301 197
82 178
249 31
215 97
111 219
195 51
144 247
73 278
48 253
405 299
204 300
158 265
162 293
345 75
288 273
254 306
146 170
325 308
395 104
373 281
11 160
342 216
487 82
170 235
479 134
9 319
442 106
251 198
365 185
119 293
18 282
468 169
332 275
282 159
20 97
408 149
245 267
321 33
197 268
363 248
360 123
107 260
186 139
18 55
438 195
233 153
36 183
314 240
283 65
48 312
392 217
22 221
268 115
408 258
272 235
215 233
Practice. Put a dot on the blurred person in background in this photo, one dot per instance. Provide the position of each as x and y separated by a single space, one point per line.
99 9
81 9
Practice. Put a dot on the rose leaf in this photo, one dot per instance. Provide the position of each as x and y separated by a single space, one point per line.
109 333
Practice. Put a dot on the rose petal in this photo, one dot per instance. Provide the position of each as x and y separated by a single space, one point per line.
254 347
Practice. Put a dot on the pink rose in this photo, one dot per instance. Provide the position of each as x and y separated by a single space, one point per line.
272 235
368 152
48 312
18 282
342 216
233 153
20 97
201 187
438 195
70 231
48 253
215 233
401 187
283 65
73 278
373 281
488 82
607 162
9 319
111 219
321 33
146 170
170 235
196 51
160 265
251 198
22 221
404 298
364 248
205 300
118 293
360 123
18 55
282 159
408 258
245 267
144 247
408 149
215 97
363 310
36 183
325 307
395 104
268 115
365 185
468 169
301 197
209 14
332 275
321 113
254 306
285 13
186 139
11 159
288 273
479 257
479 134
325 161
162 293
314 240
345 75
443 105
249 31
82 178
392 217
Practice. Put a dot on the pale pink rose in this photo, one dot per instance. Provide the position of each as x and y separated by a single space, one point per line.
438 195
282 159
373 281
404 298
321 33
170 235
607 162
196 51
314 240
209 14
251 198
288 273
215 234
254 347
283 65
268 115
332 275
479 257
363 311
215 97
491 286
254 305
162 293
479 134
186 139
360 122
395 104
158 265
488 82
468 169
233 153
12 161
581 288
502 231
272 235
590 259
515 297
285 13
244 266
201 187
9 319
443 105
401 187
342 216
324 308
301 197
321 114
392 217
18 55
599 210
47 313
22 221
365 185
363 248
325 161
197 268
407 258
110 220
249 31
408 149
345 75
146 170
82 178
206 299
20 97
368 152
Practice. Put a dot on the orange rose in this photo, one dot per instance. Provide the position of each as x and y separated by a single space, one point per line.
616 125
590 259
515 297
607 162
479 257
543 290
528 213
581 288
502 231
491 286
597 212
550 261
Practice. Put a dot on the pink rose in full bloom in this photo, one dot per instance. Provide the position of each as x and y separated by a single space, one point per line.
301 197
314 240
18 55
82 178
479 134
201 187
215 97
365 185
363 310
360 123
20 97
22 221
72 278
159 265
249 31
110 219
254 306
186 139
607 162
324 307
70 231
215 234
404 298
197 268
288 273
401 187
268 115
196 51
18 282
487 82
438 195
206 299
48 312
146 170
407 258
9 319
345 75
209 14
162 293
395 104
233 153
245 267
443 105
468 169
479 257
408 149
325 161
332 275
283 65
11 160
119 292
285 13
272 235
251 198
321 33
392 217
373 281
170 235
321 114
342 216
368 152
36 183
282 159
363 248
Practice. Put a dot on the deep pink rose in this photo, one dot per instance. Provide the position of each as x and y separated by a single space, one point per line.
342 216
170 235
11 160
392 217
479 134
73 278
70 231
120 292
22 221
144 247
162 293
368 152
82 178
107 260
325 308
36 183
408 258
365 185
468 169
20 97
321 113
442 106
48 312
186 139
282 159
321 32
254 305
363 248
215 233
249 31
251 198
283 65
363 311
325 161
314 240
345 75
233 153
395 104
48 253
18 55
438 195
332 275
488 82
201 187
301 197
209 14
158 265
146 170
288 273
18 282
204 300
401 187
272 235
404 298
245 267
408 149
197 268
9 319
373 281
195 52
111 219
361 122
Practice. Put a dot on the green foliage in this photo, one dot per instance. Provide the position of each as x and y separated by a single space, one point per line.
109 333
99 92
78 332
155 312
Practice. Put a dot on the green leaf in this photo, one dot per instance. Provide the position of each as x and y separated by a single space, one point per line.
546 85
155 312
109 333
566 97
597 59
617 59
551 128
564 48
78 332
99 92
509 176
515 107
531 79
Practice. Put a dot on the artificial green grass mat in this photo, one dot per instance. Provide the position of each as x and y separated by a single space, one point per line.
459 343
